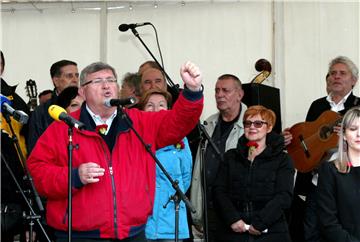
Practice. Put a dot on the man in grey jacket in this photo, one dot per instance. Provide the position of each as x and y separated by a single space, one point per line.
225 128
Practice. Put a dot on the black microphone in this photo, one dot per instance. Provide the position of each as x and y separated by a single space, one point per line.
125 27
18 115
58 113
119 102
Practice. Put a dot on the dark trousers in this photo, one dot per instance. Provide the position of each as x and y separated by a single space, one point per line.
296 219
215 226
11 222
311 224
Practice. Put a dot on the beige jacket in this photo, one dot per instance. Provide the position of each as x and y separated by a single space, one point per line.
196 192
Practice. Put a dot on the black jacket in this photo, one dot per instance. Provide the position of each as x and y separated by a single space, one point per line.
258 192
338 204
39 121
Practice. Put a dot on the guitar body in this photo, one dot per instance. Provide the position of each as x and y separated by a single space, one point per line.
311 140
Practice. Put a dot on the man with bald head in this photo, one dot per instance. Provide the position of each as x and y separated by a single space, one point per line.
152 78
225 128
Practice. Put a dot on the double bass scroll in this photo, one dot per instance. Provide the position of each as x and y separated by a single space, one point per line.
264 67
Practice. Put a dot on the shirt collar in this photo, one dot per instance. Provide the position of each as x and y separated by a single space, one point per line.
336 107
98 120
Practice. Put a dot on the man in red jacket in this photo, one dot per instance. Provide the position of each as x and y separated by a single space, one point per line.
113 175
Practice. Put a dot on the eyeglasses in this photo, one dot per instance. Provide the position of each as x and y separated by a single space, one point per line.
257 123
100 81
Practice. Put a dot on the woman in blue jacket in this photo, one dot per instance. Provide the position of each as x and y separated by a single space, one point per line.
177 161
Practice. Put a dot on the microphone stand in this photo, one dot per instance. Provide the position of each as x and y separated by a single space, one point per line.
32 215
70 149
179 195
174 87
177 201
205 136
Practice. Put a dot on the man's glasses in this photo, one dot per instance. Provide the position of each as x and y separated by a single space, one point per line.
256 123
100 81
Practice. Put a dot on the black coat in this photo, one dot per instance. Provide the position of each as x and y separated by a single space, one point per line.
338 204
258 192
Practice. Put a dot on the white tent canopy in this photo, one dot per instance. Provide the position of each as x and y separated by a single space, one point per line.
298 38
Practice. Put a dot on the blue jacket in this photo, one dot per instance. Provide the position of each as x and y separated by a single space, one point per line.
178 163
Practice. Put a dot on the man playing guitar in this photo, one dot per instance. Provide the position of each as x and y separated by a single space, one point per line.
343 75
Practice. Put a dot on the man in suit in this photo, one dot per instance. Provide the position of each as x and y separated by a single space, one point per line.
63 73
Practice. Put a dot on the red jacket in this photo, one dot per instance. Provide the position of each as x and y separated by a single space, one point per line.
118 205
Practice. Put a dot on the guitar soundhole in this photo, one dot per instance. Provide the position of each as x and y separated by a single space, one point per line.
325 132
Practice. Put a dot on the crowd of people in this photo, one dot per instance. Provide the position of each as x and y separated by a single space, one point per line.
242 183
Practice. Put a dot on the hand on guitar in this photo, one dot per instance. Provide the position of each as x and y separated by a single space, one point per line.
337 129
239 226
287 136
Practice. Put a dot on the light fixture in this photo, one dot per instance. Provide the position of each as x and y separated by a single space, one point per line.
155 5
130 7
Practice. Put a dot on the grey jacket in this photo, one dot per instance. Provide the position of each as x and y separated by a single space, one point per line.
196 192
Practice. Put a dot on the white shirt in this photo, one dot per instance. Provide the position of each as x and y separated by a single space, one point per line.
340 105
98 120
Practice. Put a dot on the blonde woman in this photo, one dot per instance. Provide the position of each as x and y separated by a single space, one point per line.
339 186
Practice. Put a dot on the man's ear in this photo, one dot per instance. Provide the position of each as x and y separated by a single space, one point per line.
55 81
241 94
81 92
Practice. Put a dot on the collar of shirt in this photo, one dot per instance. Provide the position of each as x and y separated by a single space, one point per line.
98 121
340 105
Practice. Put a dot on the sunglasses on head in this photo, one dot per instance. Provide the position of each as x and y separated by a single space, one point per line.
256 123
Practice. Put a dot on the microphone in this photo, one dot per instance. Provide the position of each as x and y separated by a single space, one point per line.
18 115
119 102
58 113
125 27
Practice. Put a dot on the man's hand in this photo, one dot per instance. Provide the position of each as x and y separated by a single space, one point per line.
337 129
89 172
287 136
198 231
238 226
191 76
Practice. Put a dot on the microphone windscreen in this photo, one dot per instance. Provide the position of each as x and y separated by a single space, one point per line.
55 111
4 99
123 27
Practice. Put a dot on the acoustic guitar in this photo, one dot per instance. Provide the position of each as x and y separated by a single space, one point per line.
311 140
